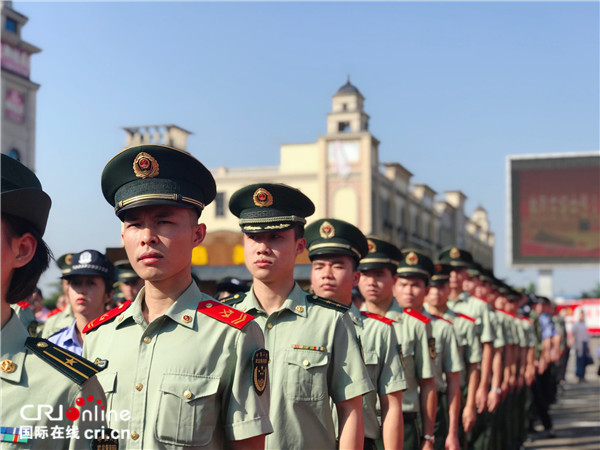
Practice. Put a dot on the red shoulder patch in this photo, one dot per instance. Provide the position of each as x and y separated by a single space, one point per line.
464 316
23 304
482 299
503 311
55 311
378 317
441 318
224 313
417 315
106 316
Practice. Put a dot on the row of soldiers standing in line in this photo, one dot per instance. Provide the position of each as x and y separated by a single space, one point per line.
277 366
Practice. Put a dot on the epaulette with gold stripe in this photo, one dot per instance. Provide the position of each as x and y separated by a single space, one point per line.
225 313
417 315
378 317
464 316
106 316
313 298
70 364
234 299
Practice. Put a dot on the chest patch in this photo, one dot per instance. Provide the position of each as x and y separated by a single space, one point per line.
431 344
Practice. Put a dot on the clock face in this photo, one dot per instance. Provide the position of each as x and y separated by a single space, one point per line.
347 152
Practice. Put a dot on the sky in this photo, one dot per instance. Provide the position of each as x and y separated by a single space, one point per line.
452 88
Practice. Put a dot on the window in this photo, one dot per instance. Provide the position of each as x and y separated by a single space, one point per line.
220 203
344 127
11 25
14 153
344 107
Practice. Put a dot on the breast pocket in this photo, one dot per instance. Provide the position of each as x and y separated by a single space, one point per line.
306 375
188 409
372 364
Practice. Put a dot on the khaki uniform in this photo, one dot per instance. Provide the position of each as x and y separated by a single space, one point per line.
314 356
57 322
479 310
186 378
469 346
382 358
27 318
29 379
447 357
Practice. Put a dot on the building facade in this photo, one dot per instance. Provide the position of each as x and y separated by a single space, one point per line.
342 173
18 91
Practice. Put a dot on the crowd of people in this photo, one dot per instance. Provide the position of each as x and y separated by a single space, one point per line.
385 347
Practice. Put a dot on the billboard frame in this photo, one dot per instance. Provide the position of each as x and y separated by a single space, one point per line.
509 212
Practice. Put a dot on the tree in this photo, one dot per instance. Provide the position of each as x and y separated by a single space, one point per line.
592 293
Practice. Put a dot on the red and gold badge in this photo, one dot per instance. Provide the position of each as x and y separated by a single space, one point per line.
262 198
145 166
371 245
326 231
454 253
412 259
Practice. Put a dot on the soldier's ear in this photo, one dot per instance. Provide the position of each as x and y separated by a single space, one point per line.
199 233
300 245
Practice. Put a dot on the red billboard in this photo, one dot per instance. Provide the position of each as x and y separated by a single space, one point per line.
555 210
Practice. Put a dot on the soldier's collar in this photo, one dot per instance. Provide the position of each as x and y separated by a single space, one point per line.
296 301
12 360
183 311
355 315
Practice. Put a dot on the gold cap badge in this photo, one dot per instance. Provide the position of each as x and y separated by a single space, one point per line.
412 259
145 166
262 198
454 253
371 245
326 231
69 259
7 366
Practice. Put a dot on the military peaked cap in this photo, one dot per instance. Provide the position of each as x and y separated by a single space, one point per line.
335 237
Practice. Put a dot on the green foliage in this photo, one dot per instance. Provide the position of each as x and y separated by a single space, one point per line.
592 293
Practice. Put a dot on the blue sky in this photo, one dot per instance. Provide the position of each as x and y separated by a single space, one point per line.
451 88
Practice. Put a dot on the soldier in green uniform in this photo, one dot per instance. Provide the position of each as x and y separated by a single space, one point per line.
335 248
468 344
190 371
60 319
413 331
129 282
315 356
414 273
35 373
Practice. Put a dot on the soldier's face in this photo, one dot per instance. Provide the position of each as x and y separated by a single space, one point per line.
87 295
271 256
469 284
377 285
130 289
438 295
333 277
410 292
456 279
159 241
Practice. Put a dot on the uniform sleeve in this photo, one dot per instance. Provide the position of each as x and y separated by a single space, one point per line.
88 424
391 376
451 361
500 340
473 352
347 376
424 363
246 413
487 325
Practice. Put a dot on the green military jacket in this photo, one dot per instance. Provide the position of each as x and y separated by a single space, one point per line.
469 346
479 310
45 379
27 318
417 347
529 331
382 358
507 323
194 377
57 322
447 357
314 357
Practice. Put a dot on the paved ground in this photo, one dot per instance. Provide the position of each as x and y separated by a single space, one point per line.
576 415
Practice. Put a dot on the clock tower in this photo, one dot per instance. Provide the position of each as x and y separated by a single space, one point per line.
349 161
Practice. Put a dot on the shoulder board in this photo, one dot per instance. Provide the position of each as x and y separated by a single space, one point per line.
441 318
73 366
234 299
417 315
224 313
55 311
482 299
331 304
106 316
527 319
464 316
378 317
23 304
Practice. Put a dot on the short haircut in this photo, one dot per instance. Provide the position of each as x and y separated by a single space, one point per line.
24 279
298 231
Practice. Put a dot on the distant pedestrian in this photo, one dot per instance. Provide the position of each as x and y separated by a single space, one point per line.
581 341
